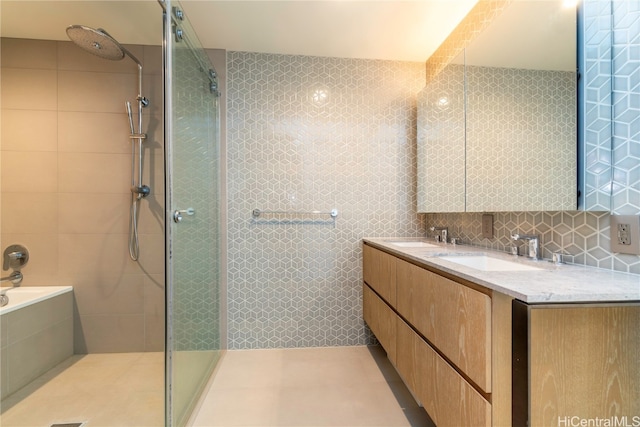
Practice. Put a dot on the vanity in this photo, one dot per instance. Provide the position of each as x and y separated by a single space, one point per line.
485 338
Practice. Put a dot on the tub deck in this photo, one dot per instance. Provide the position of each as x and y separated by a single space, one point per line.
23 296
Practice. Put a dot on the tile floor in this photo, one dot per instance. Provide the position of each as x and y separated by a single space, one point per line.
114 390
339 386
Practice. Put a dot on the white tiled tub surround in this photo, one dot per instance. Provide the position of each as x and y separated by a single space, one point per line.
35 334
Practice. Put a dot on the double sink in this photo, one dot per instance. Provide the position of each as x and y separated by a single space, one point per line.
481 262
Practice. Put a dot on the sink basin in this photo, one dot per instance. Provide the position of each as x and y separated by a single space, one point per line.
487 263
414 244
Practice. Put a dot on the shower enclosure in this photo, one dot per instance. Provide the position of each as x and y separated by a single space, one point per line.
192 147
192 220
68 185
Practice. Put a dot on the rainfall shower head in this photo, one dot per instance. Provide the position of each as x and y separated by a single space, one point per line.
97 42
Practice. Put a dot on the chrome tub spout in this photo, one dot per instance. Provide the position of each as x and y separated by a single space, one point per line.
15 278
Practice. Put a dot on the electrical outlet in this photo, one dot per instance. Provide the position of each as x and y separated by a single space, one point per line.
487 226
625 234
624 231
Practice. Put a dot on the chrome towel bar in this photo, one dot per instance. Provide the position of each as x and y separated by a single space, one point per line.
256 213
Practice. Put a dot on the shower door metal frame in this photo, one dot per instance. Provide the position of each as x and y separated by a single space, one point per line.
167 78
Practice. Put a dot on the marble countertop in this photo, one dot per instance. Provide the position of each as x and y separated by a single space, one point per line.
549 283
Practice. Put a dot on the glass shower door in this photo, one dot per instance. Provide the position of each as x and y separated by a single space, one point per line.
193 217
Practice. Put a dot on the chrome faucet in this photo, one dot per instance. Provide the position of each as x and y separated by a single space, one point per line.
15 278
442 237
533 244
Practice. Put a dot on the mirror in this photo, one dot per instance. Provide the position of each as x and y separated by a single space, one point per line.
519 131
441 141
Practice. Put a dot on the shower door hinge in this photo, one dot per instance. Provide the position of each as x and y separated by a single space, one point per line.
178 13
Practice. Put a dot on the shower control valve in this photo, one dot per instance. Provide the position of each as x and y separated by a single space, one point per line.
141 191
144 101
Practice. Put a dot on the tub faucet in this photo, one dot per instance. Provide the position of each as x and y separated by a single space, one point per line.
442 237
533 244
15 278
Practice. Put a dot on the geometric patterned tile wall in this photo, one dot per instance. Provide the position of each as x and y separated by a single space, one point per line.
626 108
583 236
597 86
311 133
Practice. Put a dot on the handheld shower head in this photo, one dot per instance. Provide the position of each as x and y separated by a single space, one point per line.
97 42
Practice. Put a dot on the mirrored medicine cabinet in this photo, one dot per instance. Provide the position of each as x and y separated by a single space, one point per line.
497 126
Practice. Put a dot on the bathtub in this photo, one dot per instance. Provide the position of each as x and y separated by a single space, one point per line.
36 333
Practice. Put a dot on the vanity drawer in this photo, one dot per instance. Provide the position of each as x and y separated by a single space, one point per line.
379 272
381 320
446 396
455 318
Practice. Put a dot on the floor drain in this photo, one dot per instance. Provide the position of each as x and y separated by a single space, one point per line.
68 425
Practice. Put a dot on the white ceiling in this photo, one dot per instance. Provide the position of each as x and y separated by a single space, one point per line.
399 30
541 36
395 30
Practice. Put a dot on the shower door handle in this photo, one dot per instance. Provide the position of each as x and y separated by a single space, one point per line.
177 214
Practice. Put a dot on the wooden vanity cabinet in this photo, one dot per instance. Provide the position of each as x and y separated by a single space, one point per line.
574 363
442 345
379 272
453 317
381 320
446 396
475 357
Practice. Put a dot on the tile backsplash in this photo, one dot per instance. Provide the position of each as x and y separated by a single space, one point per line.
611 179
583 236
625 186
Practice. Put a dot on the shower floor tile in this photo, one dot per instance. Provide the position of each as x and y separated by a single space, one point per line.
338 386
116 389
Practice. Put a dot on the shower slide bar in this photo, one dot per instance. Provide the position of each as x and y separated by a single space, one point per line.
256 213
